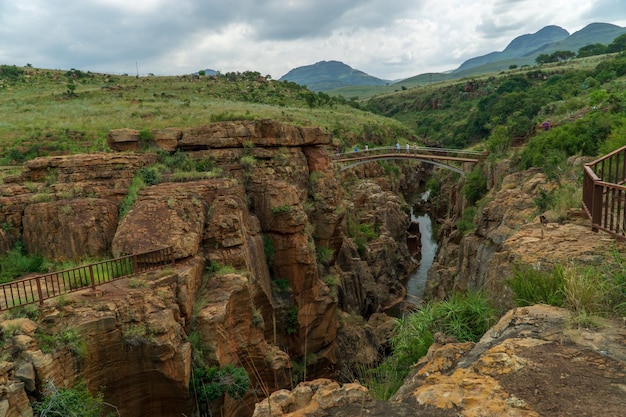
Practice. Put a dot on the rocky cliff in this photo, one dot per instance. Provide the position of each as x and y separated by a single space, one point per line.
532 363
299 243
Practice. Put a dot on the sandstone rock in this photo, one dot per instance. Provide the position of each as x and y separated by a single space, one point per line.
26 373
257 132
124 139
71 229
311 398
160 220
499 375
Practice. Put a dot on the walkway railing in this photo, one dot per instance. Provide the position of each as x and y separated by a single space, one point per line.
42 287
604 193
443 157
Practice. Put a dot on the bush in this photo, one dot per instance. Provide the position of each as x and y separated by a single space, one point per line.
210 382
150 175
466 224
268 249
64 402
324 254
475 185
17 262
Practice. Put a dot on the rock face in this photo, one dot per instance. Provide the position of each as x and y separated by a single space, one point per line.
508 231
277 216
70 229
531 363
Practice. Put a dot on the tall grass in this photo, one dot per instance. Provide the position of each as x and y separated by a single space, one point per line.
533 286
585 290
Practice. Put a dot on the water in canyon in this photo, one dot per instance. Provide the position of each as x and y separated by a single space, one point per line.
417 280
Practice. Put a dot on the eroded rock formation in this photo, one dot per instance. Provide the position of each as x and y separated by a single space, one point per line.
277 216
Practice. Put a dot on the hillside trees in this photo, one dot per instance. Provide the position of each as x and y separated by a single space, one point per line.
465 113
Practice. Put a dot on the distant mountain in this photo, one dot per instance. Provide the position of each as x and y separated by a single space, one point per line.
519 47
207 72
524 49
327 75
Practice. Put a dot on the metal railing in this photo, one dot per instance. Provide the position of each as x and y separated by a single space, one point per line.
458 160
604 193
42 287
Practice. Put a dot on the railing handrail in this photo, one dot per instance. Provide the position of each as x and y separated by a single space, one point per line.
604 192
52 284
412 149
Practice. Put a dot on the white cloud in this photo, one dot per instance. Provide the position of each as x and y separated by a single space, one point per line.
388 39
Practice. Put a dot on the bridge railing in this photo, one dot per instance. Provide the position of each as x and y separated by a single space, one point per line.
42 287
412 150
604 193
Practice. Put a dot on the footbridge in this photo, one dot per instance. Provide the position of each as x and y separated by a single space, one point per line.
457 160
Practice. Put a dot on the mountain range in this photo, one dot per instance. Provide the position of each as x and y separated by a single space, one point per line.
523 50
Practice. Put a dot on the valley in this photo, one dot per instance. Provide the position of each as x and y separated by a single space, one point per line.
290 272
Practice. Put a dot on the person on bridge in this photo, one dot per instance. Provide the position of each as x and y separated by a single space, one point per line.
397 147
356 148
367 149
415 147
408 147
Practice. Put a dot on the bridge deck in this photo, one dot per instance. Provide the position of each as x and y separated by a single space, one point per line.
361 156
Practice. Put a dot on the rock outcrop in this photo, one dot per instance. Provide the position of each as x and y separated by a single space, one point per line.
275 214
531 363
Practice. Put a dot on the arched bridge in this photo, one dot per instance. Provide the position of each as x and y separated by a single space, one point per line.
456 160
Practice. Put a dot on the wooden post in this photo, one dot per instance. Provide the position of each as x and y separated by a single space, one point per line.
39 291
596 206
91 277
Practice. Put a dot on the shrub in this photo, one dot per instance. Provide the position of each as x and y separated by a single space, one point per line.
17 262
281 284
268 249
210 383
150 175
291 321
466 225
433 186
285 208
137 184
75 401
475 185
324 254
247 162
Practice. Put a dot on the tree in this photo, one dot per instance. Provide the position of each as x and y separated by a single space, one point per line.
543 59
618 44
591 50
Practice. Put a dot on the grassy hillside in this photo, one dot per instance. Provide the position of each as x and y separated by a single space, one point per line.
49 111
465 112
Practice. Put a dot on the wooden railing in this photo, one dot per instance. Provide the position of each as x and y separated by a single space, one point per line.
604 193
42 287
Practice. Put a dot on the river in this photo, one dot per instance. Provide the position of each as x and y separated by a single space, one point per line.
417 280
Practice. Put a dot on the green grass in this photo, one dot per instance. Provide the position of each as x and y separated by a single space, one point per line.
464 316
533 286
39 118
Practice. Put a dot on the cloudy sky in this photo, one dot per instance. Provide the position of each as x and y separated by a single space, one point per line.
389 39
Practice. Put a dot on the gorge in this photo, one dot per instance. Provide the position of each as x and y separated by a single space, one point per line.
285 269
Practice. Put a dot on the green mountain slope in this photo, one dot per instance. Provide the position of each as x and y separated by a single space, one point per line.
525 49
327 75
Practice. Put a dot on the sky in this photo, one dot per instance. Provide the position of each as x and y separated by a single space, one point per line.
389 39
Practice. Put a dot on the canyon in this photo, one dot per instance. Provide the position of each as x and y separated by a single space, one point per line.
286 268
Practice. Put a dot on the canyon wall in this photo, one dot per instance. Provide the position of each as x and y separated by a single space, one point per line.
272 208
